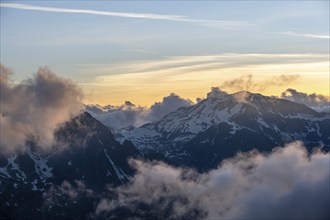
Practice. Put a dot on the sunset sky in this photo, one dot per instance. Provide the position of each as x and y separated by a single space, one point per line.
144 50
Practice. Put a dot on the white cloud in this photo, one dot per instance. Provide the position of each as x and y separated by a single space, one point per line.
31 110
216 93
217 23
318 36
167 105
118 117
317 102
138 51
128 114
175 66
285 184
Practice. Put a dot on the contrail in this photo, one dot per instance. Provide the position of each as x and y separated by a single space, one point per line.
319 36
120 14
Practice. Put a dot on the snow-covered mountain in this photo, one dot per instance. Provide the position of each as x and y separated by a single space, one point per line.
222 124
200 136
91 156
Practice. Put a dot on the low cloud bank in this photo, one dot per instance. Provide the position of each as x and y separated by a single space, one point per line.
128 114
317 102
34 108
284 184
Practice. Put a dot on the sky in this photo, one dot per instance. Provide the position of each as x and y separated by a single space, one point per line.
144 50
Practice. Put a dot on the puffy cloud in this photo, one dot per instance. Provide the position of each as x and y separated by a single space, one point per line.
128 114
118 117
285 184
216 93
167 105
33 109
317 102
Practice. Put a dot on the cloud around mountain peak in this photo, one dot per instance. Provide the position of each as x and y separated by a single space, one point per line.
216 93
33 109
317 102
129 114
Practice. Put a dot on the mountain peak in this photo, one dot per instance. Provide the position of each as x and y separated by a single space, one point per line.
216 93
86 118
84 115
246 96
241 96
81 122
241 112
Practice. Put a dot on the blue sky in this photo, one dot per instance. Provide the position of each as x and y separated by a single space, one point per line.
72 44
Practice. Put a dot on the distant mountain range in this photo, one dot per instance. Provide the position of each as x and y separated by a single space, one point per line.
198 136
218 127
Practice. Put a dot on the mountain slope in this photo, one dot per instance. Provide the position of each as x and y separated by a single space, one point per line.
65 183
221 125
91 157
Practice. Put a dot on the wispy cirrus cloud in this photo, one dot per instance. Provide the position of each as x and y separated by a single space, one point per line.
319 36
178 65
218 23
190 76
137 51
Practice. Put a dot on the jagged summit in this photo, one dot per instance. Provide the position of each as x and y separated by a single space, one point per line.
89 153
84 118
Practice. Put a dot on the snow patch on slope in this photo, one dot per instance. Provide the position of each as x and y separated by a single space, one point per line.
119 172
40 165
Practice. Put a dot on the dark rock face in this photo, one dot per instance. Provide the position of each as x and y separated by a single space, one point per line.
94 156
